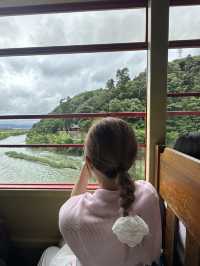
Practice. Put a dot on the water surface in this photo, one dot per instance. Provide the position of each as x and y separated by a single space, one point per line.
14 170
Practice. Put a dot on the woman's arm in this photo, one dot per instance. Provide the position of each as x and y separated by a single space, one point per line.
81 185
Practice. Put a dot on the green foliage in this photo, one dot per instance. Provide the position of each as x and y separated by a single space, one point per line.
62 138
38 137
43 160
85 125
122 77
11 132
126 94
110 84
183 74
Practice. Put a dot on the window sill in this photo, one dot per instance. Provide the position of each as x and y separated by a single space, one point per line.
42 186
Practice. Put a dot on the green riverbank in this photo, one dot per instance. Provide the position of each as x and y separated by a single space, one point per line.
69 163
11 132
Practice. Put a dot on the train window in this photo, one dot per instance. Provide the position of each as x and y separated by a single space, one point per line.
184 23
73 28
57 84
183 93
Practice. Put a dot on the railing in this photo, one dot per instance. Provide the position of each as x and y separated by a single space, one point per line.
184 94
60 116
141 115
92 116
61 186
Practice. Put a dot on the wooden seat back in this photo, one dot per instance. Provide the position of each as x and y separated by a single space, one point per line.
178 179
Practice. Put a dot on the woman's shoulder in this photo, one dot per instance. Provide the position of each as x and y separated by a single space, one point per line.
143 186
145 192
70 211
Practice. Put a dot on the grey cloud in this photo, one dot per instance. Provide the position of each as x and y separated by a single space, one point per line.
48 31
99 75
65 65
73 28
18 65
8 32
36 84
184 22
19 94
19 102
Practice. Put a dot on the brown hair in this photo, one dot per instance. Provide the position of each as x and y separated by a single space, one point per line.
112 148
189 144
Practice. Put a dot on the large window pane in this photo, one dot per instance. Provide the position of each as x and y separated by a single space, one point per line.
184 23
183 76
73 28
36 84
113 82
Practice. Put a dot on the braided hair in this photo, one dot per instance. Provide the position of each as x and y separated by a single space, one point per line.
111 147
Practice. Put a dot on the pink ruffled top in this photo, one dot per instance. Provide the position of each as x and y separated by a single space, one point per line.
86 222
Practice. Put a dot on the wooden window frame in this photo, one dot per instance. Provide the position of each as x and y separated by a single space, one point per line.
110 47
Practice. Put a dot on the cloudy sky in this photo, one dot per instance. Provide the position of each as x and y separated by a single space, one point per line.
35 84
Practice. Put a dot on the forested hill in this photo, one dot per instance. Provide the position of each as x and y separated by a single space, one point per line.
126 94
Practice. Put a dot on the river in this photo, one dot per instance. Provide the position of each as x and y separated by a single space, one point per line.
14 170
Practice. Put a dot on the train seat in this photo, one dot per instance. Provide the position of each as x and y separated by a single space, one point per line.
178 182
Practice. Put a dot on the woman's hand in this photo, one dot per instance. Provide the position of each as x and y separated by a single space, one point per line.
85 172
81 186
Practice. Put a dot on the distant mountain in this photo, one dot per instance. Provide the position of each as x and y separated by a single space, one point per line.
15 126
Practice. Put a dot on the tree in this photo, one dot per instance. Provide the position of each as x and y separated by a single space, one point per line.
122 77
64 102
115 106
110 84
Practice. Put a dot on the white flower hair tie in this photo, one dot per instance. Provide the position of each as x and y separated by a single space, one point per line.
130 230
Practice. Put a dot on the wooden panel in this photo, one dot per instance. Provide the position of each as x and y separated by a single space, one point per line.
159 150
184 44
73 49
32 215
44 6
158 20
29 7
94 48
170 237
192 252
180 188
184 2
